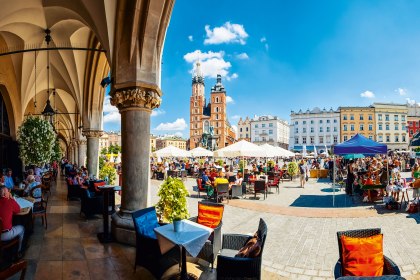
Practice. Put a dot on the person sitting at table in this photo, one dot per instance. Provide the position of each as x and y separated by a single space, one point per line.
213 175
8 179
78 179
221 179
205 181
31 183
9 207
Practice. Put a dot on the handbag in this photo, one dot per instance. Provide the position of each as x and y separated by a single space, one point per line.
306 178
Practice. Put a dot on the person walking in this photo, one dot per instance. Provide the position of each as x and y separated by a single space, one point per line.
303 173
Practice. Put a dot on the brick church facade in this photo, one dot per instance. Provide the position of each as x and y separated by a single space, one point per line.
205 117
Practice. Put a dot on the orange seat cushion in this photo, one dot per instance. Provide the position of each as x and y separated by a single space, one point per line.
99 184
209 216
362 256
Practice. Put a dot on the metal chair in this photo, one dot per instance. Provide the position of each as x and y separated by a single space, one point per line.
222 192
390 268
274 184
236 191
260 187
231 267
40 207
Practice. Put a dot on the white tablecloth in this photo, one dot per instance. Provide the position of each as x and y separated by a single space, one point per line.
23 203
192 237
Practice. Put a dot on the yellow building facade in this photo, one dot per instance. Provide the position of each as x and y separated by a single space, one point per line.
355 120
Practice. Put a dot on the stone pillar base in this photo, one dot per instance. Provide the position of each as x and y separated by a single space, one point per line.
122 228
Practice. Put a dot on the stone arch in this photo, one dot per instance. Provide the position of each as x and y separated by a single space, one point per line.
10 111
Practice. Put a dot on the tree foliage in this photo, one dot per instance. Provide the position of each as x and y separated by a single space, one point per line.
108 172
172 204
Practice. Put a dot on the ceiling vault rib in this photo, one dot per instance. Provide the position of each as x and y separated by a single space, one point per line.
52 48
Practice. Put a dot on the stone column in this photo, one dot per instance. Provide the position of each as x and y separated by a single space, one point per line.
93 150
75 152
82 152
70 153
135 105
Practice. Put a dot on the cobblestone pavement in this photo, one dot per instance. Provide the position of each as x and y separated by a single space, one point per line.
305 247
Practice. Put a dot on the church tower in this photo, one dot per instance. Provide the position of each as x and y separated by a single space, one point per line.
197 104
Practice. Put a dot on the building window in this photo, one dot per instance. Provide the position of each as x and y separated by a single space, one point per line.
387 127
387 118
312 140
256 126
397 138
352 117
217 99
345 137
263 125
312 130
403 138
370 127
328 129
312 122
321 129
380 117
296 130
387 138
361 117
328 121
345 117
403 118
247 135
361 127
303 140
396 118
345 127
263 131
380 126
296 122
195 104
396 126
270 131
370 137
335 129
304 122
320 121
296 140
246 129
321 140
304 130
352 127
335 139
403 127
370 117
335 121
380 138
270 125
240 130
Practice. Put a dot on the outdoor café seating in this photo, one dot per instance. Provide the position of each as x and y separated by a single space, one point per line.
40 207
260 187
237 260
73 191
210 214
353 266
91 203
148 254
222 192
236 191
200 187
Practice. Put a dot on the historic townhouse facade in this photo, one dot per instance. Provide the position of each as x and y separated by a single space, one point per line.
271 130
244 129
316 127
355 120
391 125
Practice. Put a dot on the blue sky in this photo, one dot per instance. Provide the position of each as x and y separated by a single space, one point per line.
288 55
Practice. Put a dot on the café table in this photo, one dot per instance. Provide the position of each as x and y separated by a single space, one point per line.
24 217
368 188
105 236
191 238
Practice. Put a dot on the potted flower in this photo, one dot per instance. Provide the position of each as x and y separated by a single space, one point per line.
172 205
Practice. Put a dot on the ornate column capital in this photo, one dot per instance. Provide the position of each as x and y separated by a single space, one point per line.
92 133
140 96
81 142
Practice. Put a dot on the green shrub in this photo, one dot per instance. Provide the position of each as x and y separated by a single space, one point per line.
219 162
292 169
108 171
172 204
242 165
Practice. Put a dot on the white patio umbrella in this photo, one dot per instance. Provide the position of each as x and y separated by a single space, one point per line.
111 158
272 151
285 153
240 149
171 151
118 160
201 152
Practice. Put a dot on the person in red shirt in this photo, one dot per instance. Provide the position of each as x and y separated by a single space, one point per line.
9 207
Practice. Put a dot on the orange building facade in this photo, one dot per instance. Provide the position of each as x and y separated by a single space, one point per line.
209 118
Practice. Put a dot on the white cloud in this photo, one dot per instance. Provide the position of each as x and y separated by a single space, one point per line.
231 77
228 33
190 38
179 134
179 124
266 47
229 99
212 63
235 117
401 91
113 117
242 56
235 128
367 94
108 108
157 112
410 101
263 39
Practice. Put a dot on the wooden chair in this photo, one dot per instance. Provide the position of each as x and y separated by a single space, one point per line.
40 206
260 187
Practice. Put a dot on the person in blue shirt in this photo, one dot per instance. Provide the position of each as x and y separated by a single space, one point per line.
8 180
207 184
